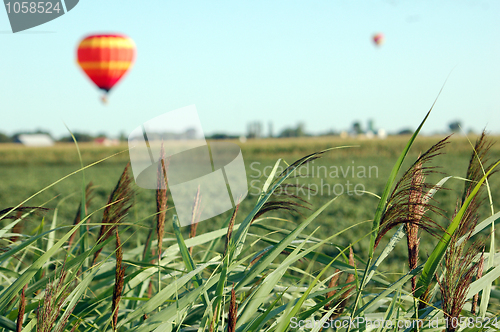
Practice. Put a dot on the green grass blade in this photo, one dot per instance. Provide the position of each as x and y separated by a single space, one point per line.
7 323
174 248
240 235
186 256
290 260
269 180
76 294
272 254
400 233
14 289
486 279
216 241
30 326
77 261
83 228
485 295
267 286
164 294
398 284
169 313
256 324
299 303
326 316
8 227
221 284
389 312
482 225
10 253
52 236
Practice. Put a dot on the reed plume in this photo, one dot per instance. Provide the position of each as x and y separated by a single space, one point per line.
334 282
119 280
161 199
230 230
284 199
477 165
460 267
195 217
416 203
161 212
302 161
17 229
50 307
7 213
212 322
22 308
233 312
14 213
120 201
407 205
459 274
346 290
290 201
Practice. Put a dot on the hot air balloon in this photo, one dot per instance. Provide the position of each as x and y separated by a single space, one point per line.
105 59
378 39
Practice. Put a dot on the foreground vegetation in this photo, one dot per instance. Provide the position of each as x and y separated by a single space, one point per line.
115 265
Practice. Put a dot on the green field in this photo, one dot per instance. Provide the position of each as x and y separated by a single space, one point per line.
283 265
27 170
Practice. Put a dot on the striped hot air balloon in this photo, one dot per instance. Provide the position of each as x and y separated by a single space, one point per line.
106 58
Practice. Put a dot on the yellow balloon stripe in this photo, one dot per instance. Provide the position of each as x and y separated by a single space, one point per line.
113 65
105 42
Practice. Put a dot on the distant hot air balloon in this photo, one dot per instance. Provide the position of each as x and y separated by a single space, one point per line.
378 39
105 59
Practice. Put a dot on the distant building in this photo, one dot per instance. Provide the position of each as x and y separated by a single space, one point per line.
106 141
382 134
35 140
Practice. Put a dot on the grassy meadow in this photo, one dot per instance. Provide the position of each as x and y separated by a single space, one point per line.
27 170
286 264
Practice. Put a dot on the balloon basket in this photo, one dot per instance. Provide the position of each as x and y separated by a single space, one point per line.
104 99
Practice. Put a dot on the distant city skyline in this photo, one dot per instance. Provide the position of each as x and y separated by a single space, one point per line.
281 62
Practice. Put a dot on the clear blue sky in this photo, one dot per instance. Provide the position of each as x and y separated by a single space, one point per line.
273 61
